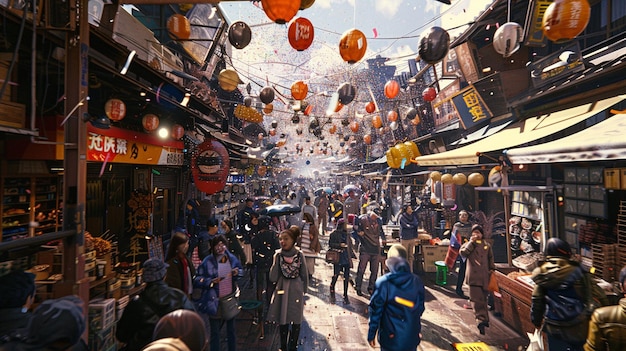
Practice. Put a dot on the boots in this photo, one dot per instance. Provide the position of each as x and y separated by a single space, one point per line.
293 337
332 288
284 333
345 292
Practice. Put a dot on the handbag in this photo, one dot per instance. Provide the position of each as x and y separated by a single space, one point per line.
228 306
332 256
493 283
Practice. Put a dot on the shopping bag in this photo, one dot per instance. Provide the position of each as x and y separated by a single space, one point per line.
493 283
536 341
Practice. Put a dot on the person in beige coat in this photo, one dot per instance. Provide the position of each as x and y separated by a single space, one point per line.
480 265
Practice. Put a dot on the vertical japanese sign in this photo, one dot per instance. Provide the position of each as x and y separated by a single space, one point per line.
471 108
533 32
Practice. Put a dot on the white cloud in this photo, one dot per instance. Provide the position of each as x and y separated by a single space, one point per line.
388 7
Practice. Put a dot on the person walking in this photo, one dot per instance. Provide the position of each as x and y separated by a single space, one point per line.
309 242
180 270
460 234
309 208
217 276
396 307
234 245
323 204
264 245
351 207
144 310
340 240
370 234
408 232
481 265
289 273
563 296
607 328
245 214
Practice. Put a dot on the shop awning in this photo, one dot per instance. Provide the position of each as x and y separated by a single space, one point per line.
519 133
483 132
602 141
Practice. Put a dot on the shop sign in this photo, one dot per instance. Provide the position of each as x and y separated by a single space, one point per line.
533 27
236 178
443 109
471 108
556 66
122 146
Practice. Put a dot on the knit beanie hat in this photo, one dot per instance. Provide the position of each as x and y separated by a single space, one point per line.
154 269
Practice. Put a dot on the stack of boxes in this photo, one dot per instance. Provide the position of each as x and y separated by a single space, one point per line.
102 325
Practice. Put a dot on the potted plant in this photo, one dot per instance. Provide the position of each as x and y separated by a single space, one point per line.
493 224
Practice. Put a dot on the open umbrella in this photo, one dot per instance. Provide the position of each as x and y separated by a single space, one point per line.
327 189
351 187
279 210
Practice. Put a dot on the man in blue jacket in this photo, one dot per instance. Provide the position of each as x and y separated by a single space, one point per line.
396 307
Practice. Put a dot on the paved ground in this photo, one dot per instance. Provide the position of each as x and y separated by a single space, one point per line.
340 327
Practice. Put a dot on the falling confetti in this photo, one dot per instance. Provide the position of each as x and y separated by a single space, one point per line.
375 32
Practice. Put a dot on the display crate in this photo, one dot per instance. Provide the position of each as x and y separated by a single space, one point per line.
102 340
432 254
101 314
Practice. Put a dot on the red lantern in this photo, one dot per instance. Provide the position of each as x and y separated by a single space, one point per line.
268 109
177 132
392 88
565 19
280 11
150 122
210 166
429 94
338 107
299 90
178 27
370 107
377 122
352 45
301 34
115 109
367 139
392 116
308 109
354 126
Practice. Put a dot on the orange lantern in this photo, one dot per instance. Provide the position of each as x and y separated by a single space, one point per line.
299 90
370 107
178 27
429 94
115 109
280 11
377 122
228 79
177 132
392 116
393 158
300 33
305 4
150 122
415 121
413 150
352 45
565 19
333 129
354 126
248 114
338 107
268 109
367 139
476 179
459 179
308 109
392 88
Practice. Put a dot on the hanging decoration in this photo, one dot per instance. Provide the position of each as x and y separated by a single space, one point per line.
401 154
150 122
459 179
338 107
280 11
434 45
239 34
248 114
210 165
416 121
367 139
564 20
370 107
392 88
475 179
346 92
411 113
392 116
178 27
377 122
413 150
447 178
115 109
305 4
177 132
429 94
354 126
266 95
352 46
300 34
268 109
228 79
299 90
508 38
435 175
307 110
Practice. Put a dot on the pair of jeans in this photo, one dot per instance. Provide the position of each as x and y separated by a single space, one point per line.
216 327
374 261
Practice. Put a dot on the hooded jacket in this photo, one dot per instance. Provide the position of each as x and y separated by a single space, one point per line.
607 329
396 307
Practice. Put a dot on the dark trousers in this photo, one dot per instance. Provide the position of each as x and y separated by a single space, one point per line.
216 326
364 258
461 277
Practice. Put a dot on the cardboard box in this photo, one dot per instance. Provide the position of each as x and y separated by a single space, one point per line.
432 254
12 114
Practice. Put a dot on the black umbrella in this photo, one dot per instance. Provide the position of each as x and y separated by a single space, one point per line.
279 210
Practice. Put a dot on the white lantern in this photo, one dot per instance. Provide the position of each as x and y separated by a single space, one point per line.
507 38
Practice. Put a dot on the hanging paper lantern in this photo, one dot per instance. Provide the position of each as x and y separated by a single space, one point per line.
305 4
435 176
411 113
392 116
346 92
210 166
115 109
447 178
274 124
508 38
354 126
299 90
370 107
393 125
392 88
178 27
239 35
412 148
177 132
266 95
228 79
565 19
300 34
269 108
434 45
248 114
393 158
429 94
377 122
307 110
338 107
280 11
247 101
367 139
352 46
150 122
459 179
476 179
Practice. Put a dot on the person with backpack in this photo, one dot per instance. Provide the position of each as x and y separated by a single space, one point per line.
397 305
563 298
